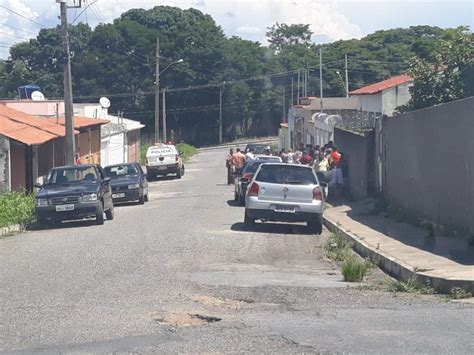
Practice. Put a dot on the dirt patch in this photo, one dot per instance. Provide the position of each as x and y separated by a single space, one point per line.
221 302
184 319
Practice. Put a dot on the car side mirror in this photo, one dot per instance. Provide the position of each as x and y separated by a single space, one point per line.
37 185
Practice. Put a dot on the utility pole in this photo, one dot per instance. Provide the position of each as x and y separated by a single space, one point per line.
67 82
284 111
220 114
157 92
165 138
292 94
321 78
347 77
298 89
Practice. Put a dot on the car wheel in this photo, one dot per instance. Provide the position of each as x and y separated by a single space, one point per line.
182 170
110 213
316 226
242 200
141 198
248 220
99 216
236 196
145 198
178 174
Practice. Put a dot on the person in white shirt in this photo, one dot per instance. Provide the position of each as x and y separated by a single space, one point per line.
290 158
249 156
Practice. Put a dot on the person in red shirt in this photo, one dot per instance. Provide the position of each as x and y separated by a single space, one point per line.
306 159
336 172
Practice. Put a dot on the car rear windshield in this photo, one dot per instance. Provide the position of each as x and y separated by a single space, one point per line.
120 171
286 174
251 168
72 175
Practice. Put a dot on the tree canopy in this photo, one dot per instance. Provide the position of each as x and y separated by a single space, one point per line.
118 60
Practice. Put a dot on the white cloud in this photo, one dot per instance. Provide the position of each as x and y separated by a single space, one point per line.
253 30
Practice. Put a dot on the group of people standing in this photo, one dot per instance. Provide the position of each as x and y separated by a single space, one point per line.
326 160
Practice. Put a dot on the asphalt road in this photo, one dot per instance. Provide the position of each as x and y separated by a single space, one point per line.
183 274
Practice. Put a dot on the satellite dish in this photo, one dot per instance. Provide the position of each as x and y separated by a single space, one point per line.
37 96
104 102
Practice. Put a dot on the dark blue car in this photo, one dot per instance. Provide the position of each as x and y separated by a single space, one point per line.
129 183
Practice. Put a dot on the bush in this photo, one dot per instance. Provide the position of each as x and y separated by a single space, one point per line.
458 293
353 269
17 208
337 247
187 151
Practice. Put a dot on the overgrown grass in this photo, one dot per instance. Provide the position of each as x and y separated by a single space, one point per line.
458 293
353 269
16 208
337 247
187 151
143 150
412 285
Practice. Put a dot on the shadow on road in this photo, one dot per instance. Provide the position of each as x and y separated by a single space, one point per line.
269 227
161 178
64 225
234 203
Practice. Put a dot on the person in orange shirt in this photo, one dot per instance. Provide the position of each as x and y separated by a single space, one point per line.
336 172
239 159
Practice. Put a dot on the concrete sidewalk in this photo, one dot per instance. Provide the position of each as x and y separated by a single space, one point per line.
403 250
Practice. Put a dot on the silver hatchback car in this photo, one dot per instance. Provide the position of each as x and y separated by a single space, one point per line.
286 193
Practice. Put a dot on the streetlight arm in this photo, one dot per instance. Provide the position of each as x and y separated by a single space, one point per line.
175 62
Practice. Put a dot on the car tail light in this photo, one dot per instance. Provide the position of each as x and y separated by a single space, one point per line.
247 176
253 190
317 194
177 157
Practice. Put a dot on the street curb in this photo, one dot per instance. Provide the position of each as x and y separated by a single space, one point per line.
10 230
395 267
235 144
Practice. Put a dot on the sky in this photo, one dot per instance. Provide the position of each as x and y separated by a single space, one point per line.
330 20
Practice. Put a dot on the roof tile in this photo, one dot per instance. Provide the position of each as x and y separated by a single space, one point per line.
382 85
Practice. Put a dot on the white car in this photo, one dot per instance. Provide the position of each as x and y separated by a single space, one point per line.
163 159
287 193
271 158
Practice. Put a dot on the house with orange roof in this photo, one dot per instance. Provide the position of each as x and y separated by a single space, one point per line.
383 97
29 147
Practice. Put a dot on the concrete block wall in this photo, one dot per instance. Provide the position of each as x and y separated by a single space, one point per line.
428 162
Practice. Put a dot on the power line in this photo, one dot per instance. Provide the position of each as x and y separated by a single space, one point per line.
16 28
27 18
7 34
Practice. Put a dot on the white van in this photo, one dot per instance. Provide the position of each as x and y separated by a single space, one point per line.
163 159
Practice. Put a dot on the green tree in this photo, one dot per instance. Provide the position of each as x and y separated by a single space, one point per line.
282 35
445 74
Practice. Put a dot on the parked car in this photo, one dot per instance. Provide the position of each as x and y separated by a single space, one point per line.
271 158
128 183
258 148
75 192
287 193
163 159
243 177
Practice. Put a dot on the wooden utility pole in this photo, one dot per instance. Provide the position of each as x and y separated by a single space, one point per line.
157 92
220 114
67 82
165 137
347 78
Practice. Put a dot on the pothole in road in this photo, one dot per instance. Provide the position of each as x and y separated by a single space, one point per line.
221 302
184 319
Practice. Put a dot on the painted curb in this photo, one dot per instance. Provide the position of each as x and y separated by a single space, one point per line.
7 231
395 267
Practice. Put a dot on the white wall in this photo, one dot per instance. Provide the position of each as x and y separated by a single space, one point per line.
370 103
91 110
394 97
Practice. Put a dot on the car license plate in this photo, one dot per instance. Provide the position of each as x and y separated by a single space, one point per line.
162 168
284 209
120 195
64 208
